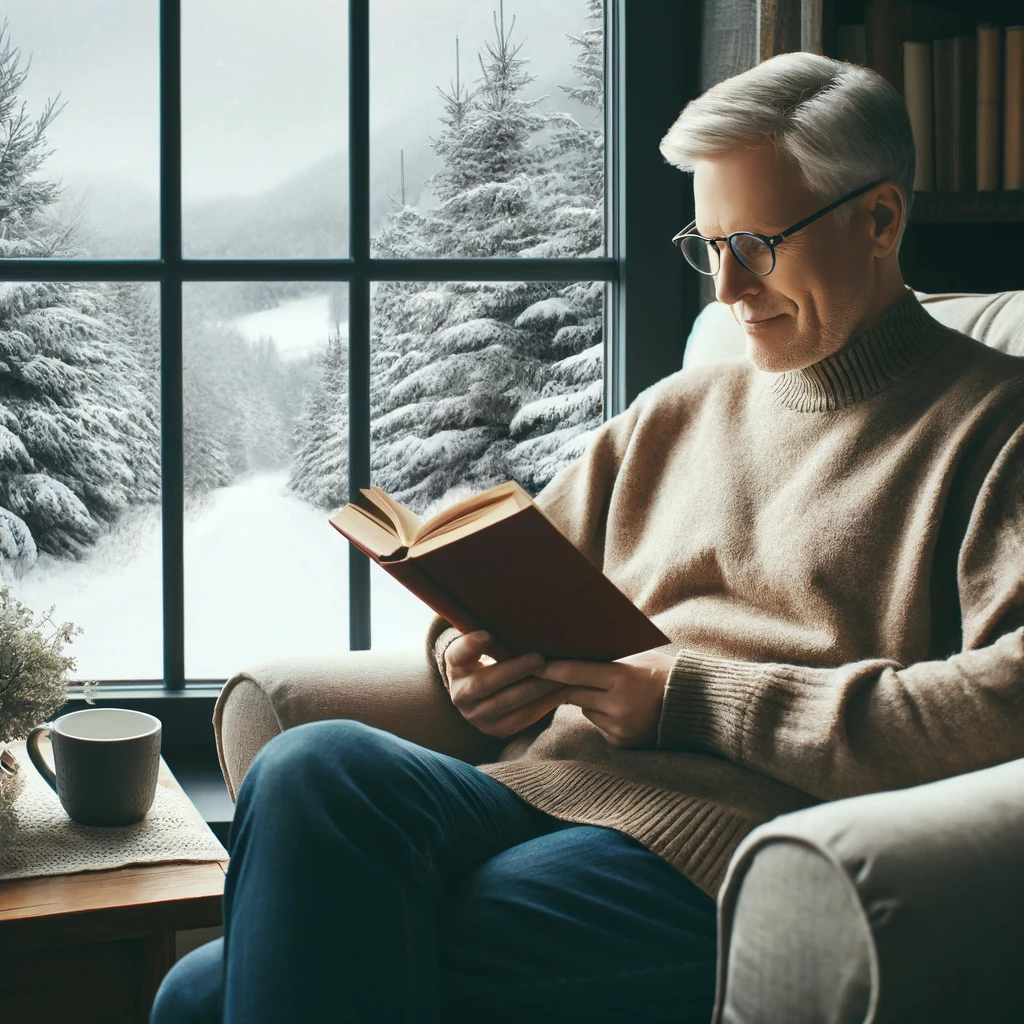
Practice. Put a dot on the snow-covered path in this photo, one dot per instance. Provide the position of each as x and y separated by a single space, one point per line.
265 575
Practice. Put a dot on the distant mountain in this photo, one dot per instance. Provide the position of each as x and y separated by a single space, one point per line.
303 217
119 219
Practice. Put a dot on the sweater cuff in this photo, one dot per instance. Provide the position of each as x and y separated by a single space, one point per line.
440 643
705 703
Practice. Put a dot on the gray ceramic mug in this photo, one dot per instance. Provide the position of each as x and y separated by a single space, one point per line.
107 761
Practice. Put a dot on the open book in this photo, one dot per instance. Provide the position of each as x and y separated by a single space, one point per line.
496 562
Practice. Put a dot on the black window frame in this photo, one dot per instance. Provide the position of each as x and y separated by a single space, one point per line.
652 57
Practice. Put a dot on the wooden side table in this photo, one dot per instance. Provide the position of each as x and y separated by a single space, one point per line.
92 948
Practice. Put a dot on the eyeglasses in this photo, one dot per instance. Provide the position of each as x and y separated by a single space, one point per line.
753 252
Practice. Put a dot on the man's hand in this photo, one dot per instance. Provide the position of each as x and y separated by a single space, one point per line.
622 698
499 694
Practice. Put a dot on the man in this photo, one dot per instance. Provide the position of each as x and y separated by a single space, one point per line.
832 535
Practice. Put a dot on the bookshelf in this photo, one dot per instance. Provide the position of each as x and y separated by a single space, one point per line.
957 239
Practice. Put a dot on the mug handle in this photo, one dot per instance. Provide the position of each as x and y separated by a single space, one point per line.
36 757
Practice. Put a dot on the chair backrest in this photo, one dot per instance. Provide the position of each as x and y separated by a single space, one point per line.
996 319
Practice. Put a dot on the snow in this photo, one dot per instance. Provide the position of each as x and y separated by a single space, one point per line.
298 326
555 310
266 576
17 547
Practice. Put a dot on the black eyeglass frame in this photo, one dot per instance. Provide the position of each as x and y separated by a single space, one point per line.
770 240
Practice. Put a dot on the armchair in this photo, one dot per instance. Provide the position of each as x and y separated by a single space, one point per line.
904 906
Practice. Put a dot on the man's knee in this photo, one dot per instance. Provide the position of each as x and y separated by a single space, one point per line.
309 758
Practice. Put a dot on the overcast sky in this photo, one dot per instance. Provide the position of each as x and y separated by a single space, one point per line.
264 84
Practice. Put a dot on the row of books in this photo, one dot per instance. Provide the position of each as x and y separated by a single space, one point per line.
965 95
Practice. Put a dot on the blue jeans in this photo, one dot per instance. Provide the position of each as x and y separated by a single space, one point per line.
375 880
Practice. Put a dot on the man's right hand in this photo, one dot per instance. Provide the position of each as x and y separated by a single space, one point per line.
496 692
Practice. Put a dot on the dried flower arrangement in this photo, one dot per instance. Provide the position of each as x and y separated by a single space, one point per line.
33 678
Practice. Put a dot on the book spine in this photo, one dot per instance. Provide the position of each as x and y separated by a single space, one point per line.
917 87
965 114
989 80
1013 130
883 20
942 102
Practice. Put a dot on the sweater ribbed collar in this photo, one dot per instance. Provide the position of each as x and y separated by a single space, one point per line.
885 351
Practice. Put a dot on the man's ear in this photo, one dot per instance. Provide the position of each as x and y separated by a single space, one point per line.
887 208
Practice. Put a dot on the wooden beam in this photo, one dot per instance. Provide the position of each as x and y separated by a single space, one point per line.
811 25
779 25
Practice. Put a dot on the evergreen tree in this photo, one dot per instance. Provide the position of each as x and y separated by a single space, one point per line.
82 435
24 196
319 472
78 432
320 465
132 311
583 145
454 175
18 550
494 211
473 383
449 368
552 430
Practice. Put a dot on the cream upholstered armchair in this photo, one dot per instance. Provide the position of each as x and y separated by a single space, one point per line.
904 906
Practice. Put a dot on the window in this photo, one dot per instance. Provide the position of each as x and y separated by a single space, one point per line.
359 244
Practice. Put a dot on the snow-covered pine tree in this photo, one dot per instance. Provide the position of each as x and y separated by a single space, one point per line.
551 431
473 383
24 196
132 311
319 466
71 395
319 471
78 436
485 146
584 144
455 174
450 368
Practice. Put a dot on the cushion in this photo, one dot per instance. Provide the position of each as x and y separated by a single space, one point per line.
996 319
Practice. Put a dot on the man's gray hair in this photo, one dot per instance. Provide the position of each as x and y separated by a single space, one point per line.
842 124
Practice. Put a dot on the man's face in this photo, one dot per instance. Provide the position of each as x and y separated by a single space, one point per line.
821 287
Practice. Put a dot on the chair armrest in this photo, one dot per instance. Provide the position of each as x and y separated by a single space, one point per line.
904 906
399 692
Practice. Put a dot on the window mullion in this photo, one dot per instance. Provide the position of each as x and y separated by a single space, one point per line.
171 404
359 305
615 304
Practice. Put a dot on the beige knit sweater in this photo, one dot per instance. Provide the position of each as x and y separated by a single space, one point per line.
837 554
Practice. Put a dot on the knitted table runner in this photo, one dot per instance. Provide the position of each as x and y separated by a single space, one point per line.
40 839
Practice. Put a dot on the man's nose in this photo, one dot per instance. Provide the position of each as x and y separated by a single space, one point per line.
733 281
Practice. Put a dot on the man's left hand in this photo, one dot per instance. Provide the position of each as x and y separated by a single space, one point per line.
622 698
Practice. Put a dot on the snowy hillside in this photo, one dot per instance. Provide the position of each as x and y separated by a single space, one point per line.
265 576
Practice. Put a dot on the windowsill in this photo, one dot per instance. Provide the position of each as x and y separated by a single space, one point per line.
186 715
